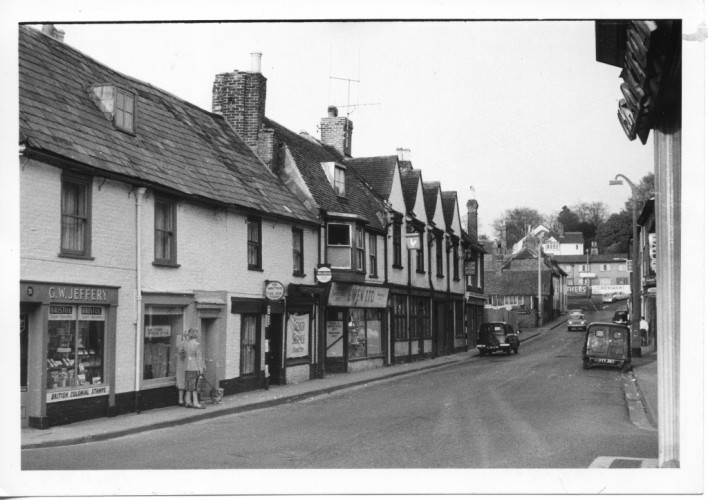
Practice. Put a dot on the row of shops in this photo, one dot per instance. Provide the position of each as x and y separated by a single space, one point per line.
77 362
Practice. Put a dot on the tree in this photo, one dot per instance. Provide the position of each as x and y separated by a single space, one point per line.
568 219
644 191
614 234
594 213
517 220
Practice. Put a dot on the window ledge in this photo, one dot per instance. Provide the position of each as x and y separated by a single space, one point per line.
419 272
440 276
374 276
254 268
157 263
396 267
74 256
300 275
455 279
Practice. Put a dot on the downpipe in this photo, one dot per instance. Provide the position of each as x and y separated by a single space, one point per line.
138 291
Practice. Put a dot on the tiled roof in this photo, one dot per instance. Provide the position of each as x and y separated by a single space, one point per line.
449 201
176 146
409 182
309 153
572 238
378 172
516 282
582 259
430 196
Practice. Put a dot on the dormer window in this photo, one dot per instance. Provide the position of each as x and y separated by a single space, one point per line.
336 177
117 105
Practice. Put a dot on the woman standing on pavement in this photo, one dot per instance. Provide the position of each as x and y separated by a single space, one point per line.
194 367
180 367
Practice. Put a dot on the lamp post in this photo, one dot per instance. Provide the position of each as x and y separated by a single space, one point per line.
539 312
636 342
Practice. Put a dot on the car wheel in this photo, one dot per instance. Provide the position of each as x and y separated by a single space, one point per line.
586 364
626 366
516 350
569 328
507 351
482 352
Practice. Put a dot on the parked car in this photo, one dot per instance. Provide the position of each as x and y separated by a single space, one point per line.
619 296
607 344
607 298
621 317
575 311
497 336
577 321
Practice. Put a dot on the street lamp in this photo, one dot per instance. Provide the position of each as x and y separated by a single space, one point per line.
636 349
539 311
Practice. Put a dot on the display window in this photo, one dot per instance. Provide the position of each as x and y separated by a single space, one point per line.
335 333
75 350
364 333
163 326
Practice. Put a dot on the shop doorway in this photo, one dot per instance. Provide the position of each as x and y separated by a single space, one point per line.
274 343
210 349
440 332
24 360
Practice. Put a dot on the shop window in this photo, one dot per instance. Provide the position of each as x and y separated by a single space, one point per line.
360 251
298 262
75 350
163 326
373 265
165 231
339 245
364 331
420 318
249 344
397 244
459 319
254 244
75 216
400 332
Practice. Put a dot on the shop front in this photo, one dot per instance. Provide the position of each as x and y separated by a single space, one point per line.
67 352
356 333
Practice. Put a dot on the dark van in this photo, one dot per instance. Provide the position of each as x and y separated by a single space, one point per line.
497 336
607 344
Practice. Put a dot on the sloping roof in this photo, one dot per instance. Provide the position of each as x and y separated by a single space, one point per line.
572 238
582 259
378 172
309 153
449 201
516 282
410 179
430 196
176 145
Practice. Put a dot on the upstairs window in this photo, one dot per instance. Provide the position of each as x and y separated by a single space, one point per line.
298 264
75 216
339 184
117 105
373 265
360 251
253 226
439 256
339 245
397 244
165 231
455 261
420 255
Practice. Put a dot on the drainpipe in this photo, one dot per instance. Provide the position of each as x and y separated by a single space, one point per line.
138 291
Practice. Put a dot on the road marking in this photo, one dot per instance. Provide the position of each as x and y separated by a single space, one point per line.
624 463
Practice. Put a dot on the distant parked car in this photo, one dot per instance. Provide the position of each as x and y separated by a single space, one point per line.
621 317
577 321
497 336
575 311
619 296
607 298
607 344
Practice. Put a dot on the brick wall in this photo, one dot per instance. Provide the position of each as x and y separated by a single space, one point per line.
240 97
337 132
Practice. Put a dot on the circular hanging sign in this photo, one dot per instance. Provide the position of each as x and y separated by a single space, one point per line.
324 274
274 290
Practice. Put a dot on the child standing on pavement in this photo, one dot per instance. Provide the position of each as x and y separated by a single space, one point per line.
194 367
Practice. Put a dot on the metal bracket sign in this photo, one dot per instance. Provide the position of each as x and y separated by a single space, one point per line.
412 241
324 274
274 290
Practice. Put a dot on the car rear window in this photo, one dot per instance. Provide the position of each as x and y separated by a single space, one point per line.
617 335
599 333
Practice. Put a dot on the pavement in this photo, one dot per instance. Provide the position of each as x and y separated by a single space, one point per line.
640 390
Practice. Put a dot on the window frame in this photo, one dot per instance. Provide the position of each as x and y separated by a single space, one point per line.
373 256
172 208
349 245
255 344
257 244
84 184
456 261
339 181
439 261
298 254
398 244
360 249
111 100
120 113
420 254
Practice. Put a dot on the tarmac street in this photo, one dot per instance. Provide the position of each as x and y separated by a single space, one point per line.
537 409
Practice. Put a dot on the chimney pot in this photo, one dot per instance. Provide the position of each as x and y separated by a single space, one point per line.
404 154
332 111
256 62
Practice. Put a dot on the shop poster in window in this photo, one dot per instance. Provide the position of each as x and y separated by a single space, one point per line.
298 335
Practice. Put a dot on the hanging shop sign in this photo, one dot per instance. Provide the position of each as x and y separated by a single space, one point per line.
78 393
298 335
274 290
412 241
350 295
324 274
470 268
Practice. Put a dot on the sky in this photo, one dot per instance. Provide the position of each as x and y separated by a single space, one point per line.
512 113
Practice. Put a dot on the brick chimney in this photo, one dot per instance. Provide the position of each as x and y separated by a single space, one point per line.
336 131
404 154
472 206
50 30
240 97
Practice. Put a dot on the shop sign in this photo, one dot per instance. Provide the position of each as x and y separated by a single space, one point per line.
335 332
578 290
62 313
349 295
298 335
274 290
413 241
158 331
324 274
91 313
77 393
78 294
471 268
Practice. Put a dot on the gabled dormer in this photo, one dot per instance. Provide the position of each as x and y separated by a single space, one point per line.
117 105
336 175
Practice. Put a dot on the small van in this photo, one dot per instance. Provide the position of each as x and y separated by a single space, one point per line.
607 344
